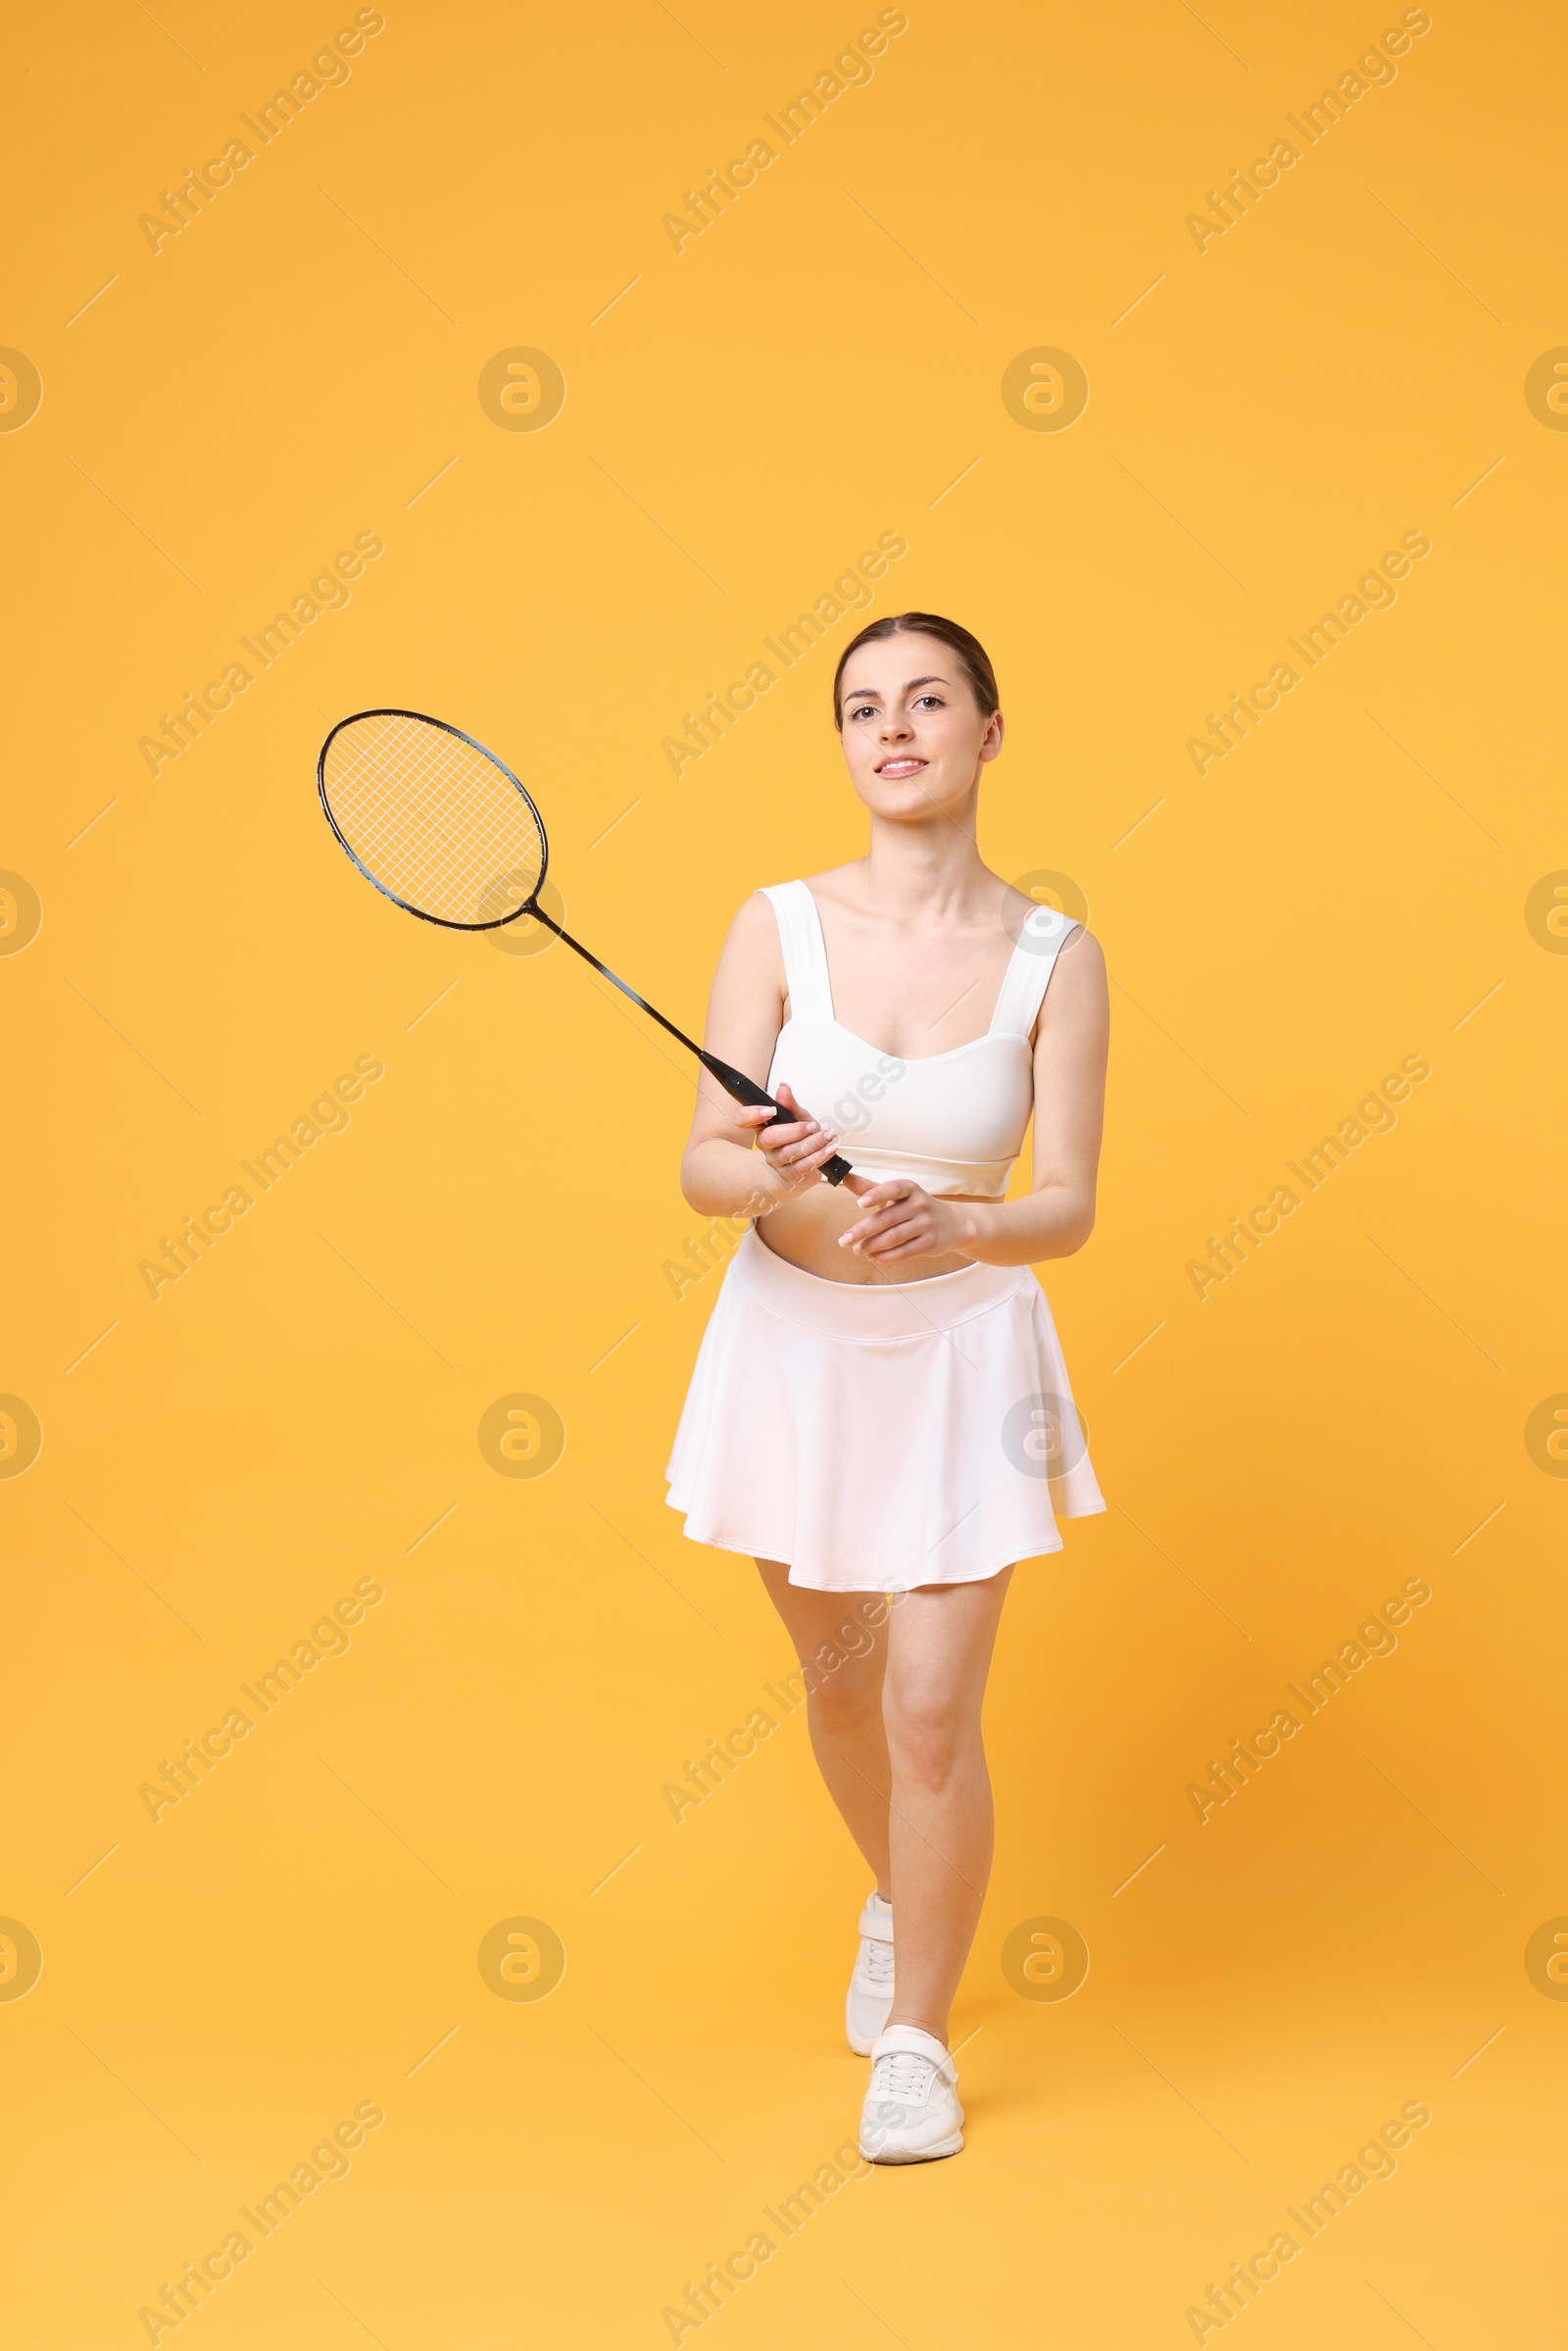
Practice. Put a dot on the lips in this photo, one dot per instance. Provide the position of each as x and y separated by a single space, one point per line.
894 768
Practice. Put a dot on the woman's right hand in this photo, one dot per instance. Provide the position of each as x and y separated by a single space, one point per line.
795 1154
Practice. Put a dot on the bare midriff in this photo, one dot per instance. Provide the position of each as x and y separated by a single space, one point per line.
805 1232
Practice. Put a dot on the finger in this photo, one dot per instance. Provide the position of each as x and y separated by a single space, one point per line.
817 1155
797 1155
883 1200
858 1235
788 1099
896 1241
896 1212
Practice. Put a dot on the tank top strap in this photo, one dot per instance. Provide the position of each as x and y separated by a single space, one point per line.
799 931
1028 974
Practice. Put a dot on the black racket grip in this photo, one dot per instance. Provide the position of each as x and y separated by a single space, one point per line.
746 1090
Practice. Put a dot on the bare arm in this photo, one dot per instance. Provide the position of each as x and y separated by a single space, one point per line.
722 1173
1072 1046
1057 1216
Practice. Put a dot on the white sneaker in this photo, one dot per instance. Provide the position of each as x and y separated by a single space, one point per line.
912 2110
870 1992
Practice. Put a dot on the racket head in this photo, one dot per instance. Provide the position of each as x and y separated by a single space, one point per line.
439 824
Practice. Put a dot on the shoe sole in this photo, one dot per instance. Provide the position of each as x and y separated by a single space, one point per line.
944 2146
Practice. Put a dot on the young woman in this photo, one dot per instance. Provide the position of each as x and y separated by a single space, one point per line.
880 1406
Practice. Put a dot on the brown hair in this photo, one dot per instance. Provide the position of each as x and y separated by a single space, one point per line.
972 657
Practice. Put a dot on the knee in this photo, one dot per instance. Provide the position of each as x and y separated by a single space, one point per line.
930 1735
844 1700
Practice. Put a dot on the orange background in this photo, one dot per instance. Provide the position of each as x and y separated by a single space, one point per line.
299 1413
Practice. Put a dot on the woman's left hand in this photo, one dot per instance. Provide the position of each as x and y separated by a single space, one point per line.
902 1221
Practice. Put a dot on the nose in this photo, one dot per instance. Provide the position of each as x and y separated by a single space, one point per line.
896 727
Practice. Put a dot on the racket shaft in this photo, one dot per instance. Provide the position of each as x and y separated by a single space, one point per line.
735 1082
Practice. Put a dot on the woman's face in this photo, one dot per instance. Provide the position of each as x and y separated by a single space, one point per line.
913 735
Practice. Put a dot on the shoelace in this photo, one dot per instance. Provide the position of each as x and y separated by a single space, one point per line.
876 1961
902 2075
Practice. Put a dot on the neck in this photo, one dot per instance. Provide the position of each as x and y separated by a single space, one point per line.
930 866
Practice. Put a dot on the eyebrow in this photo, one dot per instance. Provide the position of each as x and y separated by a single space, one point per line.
870 694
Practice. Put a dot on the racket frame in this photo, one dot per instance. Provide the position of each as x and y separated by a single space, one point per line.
442 921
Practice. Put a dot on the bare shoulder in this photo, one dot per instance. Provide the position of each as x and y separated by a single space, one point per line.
752 921
752 946
1083 953
1076 1011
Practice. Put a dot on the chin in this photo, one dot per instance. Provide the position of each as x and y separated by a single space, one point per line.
903 791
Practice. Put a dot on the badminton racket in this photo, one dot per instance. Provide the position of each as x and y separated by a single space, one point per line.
448 833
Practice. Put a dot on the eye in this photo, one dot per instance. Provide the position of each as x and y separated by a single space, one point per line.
863 709
934 700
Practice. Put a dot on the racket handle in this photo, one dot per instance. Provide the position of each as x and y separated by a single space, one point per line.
746 1090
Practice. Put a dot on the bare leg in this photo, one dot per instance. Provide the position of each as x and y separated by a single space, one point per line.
843 1637
940 1643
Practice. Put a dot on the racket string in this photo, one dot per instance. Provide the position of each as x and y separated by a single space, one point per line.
411 781
432 818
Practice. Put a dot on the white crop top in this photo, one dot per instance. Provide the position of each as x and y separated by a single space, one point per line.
953 1122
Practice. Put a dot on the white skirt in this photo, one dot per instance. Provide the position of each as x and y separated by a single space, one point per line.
874 1437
